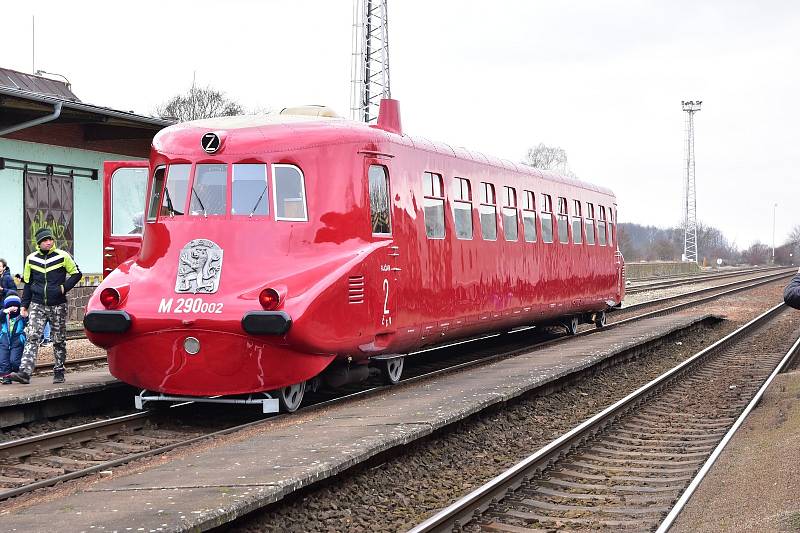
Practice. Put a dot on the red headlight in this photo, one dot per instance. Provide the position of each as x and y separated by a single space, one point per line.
110 298
269 299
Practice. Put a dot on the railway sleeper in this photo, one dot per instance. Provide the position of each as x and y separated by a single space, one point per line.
652 498
30 470
534 518
608 509
65 463
617 489
14 482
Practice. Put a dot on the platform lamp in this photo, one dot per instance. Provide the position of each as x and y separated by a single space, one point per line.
66 81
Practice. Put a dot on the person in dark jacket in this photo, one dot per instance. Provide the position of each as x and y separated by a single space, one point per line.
49 274
791 294
12 336
6 281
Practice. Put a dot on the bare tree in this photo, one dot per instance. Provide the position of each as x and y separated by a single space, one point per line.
794 235
546 157
199 102
757 254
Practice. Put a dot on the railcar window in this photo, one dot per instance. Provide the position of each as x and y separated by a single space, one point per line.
379 214
433 204
529 218
155 194
209 190
601 227
462 208
128 188
577 223
563 221
611 226
510 224
289 193
488 212
174 202
547 218
589 224
249 195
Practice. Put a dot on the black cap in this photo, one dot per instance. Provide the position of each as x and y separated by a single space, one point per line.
42 234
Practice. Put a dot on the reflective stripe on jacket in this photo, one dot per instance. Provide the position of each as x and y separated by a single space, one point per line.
45 274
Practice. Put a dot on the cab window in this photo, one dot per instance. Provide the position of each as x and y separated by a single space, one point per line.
379 201
155 193
209 190
290 193
249 195
174 202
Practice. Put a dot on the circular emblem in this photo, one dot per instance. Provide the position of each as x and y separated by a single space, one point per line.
210 142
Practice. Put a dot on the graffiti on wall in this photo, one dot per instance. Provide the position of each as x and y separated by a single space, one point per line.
48 204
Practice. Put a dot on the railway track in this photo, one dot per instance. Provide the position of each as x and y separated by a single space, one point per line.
625 467
72 453
699 275
666 284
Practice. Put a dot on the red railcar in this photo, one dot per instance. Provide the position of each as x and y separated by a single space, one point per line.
278 250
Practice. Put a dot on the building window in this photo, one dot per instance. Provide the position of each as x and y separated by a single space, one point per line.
209 190
547 218
488 212
249 195
577 223
510 229
289 193
563 221
601 227
462 208
434 205
155 193
529 218
589 224
379 214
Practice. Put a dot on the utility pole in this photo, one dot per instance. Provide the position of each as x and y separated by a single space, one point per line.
370 65
774 210
689 197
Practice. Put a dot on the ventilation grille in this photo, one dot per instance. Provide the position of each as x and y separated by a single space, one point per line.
355 290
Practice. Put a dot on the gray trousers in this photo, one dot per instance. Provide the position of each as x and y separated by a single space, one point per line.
38 315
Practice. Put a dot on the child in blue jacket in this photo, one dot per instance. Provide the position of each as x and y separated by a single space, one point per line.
12 336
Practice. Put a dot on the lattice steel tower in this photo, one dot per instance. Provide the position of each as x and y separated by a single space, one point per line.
689 198
370 67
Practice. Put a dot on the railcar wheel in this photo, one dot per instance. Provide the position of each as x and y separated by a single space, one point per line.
392 369
600 319
291 397
571 325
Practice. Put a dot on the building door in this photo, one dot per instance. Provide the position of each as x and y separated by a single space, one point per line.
48 203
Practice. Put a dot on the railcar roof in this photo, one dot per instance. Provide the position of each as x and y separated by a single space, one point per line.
282 129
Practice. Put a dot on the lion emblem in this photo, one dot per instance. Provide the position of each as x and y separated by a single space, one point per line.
199 267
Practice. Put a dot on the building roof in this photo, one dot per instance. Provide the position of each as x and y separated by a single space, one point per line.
13 79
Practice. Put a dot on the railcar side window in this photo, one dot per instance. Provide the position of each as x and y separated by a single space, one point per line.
529 218
488 212
128 187
209 190
155 194
379 215
510 229
462 208
589 224
433 204
249 194
175 191
289 193
601 227
611 224
547 218
577 223
563 221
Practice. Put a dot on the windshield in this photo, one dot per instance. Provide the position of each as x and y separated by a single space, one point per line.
210 190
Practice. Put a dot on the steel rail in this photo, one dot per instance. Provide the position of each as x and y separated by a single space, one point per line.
477 501
681 503
679 283
701 274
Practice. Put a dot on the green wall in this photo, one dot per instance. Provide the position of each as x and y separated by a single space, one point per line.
88 201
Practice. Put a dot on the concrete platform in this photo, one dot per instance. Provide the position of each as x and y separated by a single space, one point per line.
41 398
203 489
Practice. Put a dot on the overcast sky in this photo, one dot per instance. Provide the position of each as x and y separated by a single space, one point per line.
603 80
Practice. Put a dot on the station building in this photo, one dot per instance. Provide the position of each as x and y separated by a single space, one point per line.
52 149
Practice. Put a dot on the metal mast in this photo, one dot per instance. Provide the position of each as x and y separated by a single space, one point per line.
370 66
689 198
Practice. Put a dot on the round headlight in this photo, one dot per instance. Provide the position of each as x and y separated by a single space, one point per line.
191 345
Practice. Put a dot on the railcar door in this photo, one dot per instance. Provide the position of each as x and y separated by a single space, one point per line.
124 189
387 267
